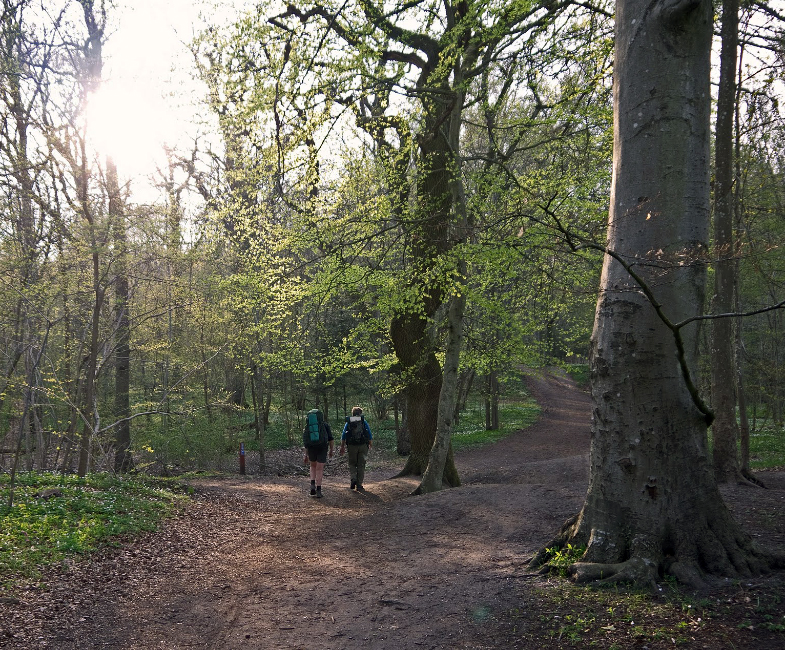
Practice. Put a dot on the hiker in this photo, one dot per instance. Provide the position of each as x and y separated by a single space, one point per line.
356 437
317 439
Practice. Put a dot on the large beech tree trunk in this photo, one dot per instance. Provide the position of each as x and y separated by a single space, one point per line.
411 330
416 353
652 505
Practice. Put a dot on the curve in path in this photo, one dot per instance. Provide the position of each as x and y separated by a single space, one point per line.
257 564
553 449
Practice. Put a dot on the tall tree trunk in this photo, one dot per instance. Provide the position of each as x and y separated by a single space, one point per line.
724 428
741 396
652 505
92 51
441 450
123 460
20 204
26 408
89 405
259 423
410 331
423 386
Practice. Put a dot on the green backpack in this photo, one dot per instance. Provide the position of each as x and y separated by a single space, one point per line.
316 431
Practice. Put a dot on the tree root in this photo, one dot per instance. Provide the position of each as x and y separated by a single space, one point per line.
751 479
713 550
636 570
540 559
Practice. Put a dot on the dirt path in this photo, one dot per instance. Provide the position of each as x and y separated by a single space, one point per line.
256 563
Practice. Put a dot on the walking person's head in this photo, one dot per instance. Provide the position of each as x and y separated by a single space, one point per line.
356 410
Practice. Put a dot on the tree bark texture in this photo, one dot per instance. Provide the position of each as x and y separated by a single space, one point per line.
652 505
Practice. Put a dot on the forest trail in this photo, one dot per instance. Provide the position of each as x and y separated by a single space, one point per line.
256 563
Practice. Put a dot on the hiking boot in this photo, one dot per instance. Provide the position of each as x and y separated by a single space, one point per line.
354 485
360 488
313 491
319 494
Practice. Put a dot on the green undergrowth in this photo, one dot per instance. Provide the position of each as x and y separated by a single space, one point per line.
513 416
560 614
559 560
767 448
515 413
54 518
580 373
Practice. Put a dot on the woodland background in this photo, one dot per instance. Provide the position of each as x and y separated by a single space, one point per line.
265 274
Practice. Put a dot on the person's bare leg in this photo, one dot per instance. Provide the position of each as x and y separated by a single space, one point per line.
319 473
313 473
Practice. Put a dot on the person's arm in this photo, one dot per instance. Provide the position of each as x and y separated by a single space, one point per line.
343 438
329 439
368 431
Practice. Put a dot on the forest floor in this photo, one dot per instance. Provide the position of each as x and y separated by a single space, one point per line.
254 562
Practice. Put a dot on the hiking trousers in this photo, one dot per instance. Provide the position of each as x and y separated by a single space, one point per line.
357 454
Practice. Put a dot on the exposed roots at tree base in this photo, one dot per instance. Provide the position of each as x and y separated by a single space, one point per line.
416 466
696 559
636 571
752 479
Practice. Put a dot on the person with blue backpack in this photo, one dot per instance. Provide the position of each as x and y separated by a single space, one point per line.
356 438
317 440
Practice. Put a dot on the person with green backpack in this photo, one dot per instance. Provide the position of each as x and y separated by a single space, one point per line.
356 437
317 439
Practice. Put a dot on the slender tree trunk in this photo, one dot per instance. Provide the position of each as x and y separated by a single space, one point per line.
495 400
724 428
744 424
487 402
433 478
652 505
88 409
492 402
123 460
465 382
403 441
259 421
93 56
28 399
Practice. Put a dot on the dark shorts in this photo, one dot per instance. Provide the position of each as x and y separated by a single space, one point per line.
317 454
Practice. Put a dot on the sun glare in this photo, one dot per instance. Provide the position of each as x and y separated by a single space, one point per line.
130 125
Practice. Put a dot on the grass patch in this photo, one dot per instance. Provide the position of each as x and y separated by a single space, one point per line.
767 449
564 615
579 373
514 415
77 516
